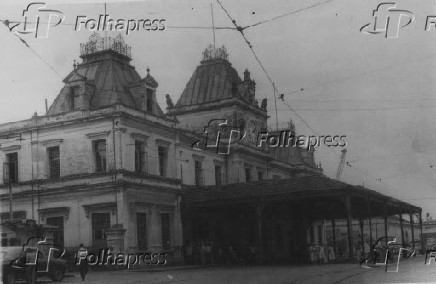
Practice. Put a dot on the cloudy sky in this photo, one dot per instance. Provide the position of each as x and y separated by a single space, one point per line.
378 92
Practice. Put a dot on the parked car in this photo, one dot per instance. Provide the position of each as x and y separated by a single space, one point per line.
17 265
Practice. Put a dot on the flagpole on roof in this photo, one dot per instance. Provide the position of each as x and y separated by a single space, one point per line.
275 103
104 17
213 25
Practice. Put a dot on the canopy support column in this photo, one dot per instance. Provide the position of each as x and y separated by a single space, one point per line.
349 227
385 216
401 225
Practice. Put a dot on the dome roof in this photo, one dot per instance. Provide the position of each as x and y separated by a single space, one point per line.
107 77
213 80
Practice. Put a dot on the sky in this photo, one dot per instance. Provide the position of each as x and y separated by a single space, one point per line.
379 92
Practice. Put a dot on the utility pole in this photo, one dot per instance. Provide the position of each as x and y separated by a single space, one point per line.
275 104
341 164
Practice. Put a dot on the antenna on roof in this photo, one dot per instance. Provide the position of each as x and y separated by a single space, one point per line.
213 25
105 28
275 104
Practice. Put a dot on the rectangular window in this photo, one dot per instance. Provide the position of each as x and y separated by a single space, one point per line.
141 234
163 156
198 173
100 222
72 95
260 175
247 174
99 147
165 227
74 98
11 168
140 157
58 233
149 93
54 166
218 175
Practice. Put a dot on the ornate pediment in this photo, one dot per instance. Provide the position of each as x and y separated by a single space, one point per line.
74 77
149 80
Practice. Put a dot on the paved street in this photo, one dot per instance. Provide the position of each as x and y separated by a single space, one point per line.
412 271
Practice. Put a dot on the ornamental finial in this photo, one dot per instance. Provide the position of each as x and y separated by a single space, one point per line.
212 52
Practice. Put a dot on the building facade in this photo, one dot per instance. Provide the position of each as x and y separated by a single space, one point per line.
106 164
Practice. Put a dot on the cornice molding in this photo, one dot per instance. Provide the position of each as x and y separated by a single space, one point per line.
11 148
97 135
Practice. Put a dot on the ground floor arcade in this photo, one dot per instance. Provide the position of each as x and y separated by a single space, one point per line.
275 220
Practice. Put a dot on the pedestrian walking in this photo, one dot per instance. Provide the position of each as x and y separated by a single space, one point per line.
188 253
322 256
83 266
208 253
313 253
366 248
332 255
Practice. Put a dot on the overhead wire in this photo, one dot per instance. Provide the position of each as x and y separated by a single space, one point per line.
238 28
358 75
166 26
6 23
288 14
241 31
364 109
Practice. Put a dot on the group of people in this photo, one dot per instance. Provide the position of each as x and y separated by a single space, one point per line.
207 252
320 254
198 253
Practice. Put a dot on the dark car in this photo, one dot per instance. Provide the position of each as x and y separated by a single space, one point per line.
31 263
